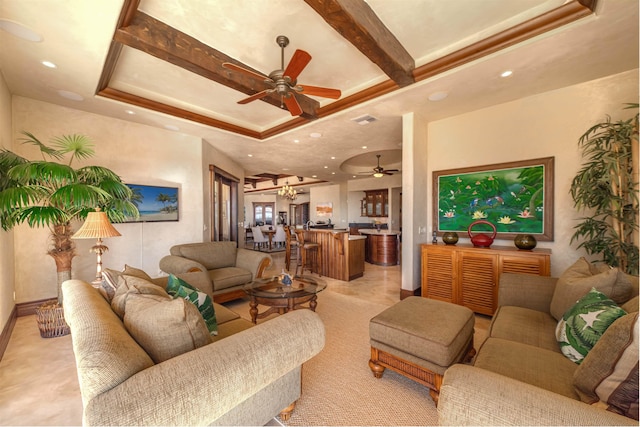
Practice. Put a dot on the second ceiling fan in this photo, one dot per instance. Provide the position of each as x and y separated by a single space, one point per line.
284 81
379 171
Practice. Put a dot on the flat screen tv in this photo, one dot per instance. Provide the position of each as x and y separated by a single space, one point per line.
155 203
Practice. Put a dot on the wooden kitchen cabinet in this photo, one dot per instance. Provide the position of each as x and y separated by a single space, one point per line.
377 203
468 276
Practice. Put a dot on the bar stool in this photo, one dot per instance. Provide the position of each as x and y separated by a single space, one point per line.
291 244
310 255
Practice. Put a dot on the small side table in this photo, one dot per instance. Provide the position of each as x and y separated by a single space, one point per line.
50 317
281 298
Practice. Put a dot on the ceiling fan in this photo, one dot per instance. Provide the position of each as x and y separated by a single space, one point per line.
379 171
284 81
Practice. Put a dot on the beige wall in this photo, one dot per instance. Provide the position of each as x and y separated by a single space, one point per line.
548 124
139 154
6 238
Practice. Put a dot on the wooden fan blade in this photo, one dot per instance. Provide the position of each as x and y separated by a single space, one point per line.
234 67
325 92
255 96
292 105
392 170
299 60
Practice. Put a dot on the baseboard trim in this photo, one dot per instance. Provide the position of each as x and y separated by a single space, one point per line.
404 293
6 332
29 308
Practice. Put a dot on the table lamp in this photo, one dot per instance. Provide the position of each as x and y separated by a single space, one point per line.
97 226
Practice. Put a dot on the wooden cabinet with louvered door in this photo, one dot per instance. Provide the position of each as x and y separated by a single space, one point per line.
438 273
469 276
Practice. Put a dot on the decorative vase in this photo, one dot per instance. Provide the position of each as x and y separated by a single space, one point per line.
450 238
525 242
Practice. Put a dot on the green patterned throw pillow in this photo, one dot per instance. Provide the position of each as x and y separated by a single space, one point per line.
177 287
584 323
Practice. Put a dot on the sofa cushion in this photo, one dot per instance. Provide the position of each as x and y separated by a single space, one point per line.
110 279
578 279
224 278
136 272
536 366
128 285
211 255
525 326
631 306
583 324
609 373
179 288
165 328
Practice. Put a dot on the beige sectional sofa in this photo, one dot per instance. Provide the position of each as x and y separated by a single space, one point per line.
243 377
520 376
229 267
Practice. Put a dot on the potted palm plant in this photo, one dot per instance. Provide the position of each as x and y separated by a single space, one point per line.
51 193
606 188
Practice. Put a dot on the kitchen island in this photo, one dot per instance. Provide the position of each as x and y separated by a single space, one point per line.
383 246
342 254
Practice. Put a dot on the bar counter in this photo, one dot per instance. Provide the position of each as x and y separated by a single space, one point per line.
342 254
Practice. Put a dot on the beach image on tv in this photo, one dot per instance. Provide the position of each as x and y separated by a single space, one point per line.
155 203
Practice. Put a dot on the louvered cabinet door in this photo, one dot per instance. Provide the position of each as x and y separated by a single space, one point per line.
478 281
525 262
438 273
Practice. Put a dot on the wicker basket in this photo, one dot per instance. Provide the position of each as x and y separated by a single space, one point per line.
50 317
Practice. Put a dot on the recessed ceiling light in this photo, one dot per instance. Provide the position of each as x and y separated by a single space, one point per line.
296 141
314 176
20 31
506 73
333 157
48 64
131 112
285 169
333 173
438 96
364 147
250 155
315 134
354 176
70 95
326 167
170 127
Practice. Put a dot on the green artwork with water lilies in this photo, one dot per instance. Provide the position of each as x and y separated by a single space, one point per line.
512 199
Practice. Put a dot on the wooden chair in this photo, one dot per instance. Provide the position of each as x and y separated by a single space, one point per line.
310 255
291 244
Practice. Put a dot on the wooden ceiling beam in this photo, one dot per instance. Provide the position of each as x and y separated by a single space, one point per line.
357 22
164 42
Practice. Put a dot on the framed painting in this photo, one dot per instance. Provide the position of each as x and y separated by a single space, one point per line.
516 197
324 209
155 203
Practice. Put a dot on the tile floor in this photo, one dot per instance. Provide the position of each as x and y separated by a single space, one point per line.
38 382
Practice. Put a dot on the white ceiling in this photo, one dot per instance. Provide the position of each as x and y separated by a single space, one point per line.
77 35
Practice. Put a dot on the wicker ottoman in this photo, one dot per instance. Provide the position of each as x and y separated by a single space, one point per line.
420 338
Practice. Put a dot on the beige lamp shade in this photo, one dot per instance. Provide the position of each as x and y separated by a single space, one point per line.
97 225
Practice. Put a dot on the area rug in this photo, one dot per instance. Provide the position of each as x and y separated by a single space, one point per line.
338 388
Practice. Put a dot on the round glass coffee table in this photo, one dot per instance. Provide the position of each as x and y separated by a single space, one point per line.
281 298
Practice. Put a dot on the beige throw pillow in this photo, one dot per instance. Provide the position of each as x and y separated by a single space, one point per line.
165 328
578 279
608 375
128 285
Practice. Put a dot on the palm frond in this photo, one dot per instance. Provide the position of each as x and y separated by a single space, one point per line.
31 139
80 146
116 189
41 216
44 173
78 195
19 197
96 174
119 210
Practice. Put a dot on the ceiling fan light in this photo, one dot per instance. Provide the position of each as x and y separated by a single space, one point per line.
378 175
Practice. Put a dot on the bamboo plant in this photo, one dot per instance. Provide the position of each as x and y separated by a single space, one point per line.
50 193
606 188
